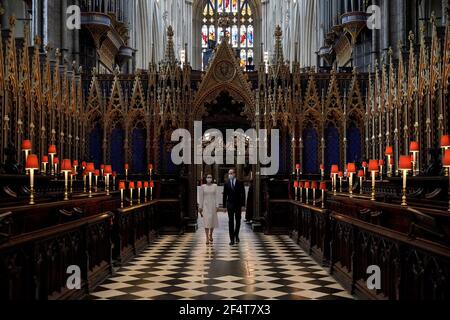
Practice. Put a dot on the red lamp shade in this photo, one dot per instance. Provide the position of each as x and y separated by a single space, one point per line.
114 174
301 184
32 162
323 186
97 172
52 149
122 185
307 185
152 184
102 167
90 168
445 141
84 173
84 164
75 163
334 169
74 173
145 184
351 168
405 163
340 174
314 185
66 165
150 166
414 146
44 159
55 160
361 174
131 185
127 166
26 145
322 167
373 166
381 163
139 184
108 169
296 184
446 159
298 166
364 164
389 151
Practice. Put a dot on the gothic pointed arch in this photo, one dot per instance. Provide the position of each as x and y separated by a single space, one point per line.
224 74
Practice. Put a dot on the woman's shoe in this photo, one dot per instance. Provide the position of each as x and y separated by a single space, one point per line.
211 239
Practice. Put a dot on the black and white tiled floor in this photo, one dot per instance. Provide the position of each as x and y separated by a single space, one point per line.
184 267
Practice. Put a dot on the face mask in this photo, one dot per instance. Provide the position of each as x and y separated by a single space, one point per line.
208 180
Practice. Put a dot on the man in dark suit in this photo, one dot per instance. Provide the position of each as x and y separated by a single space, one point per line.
234 201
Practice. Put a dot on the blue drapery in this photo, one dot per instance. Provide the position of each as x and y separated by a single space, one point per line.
332 153
310 151
139 150
95 145
353 144
117 151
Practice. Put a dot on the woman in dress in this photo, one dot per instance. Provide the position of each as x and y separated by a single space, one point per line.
208 207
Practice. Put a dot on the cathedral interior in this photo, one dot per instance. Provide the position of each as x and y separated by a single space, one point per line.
351 97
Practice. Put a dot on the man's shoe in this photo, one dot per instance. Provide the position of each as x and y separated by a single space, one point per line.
232 243
237 240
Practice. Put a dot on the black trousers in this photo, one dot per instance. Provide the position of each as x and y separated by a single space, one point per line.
234 213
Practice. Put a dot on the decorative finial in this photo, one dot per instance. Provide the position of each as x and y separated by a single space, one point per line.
116 71
94 71
278 32
37 41
12 21
411 37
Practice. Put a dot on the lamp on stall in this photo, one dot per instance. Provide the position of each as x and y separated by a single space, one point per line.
298 167
323 187
405 165
445 144
351 170
102 170
334 173
26 148
374 169
150 170
151 185
364 166
446 164
307 186
84 173
96 174
414 149
322 171
83 165
108 172
75 166
66 168
55 164
301 185
52 152
44 164
121 188
32 164
341 176
361 177
131 187
114 175
72 175
126 171
145 190
314 187
296 185
381 164
389 154
90 169
139 187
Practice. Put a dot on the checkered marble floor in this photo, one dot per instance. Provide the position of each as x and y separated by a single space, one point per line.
184 267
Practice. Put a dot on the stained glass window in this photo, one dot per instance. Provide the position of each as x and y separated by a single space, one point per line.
240 33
